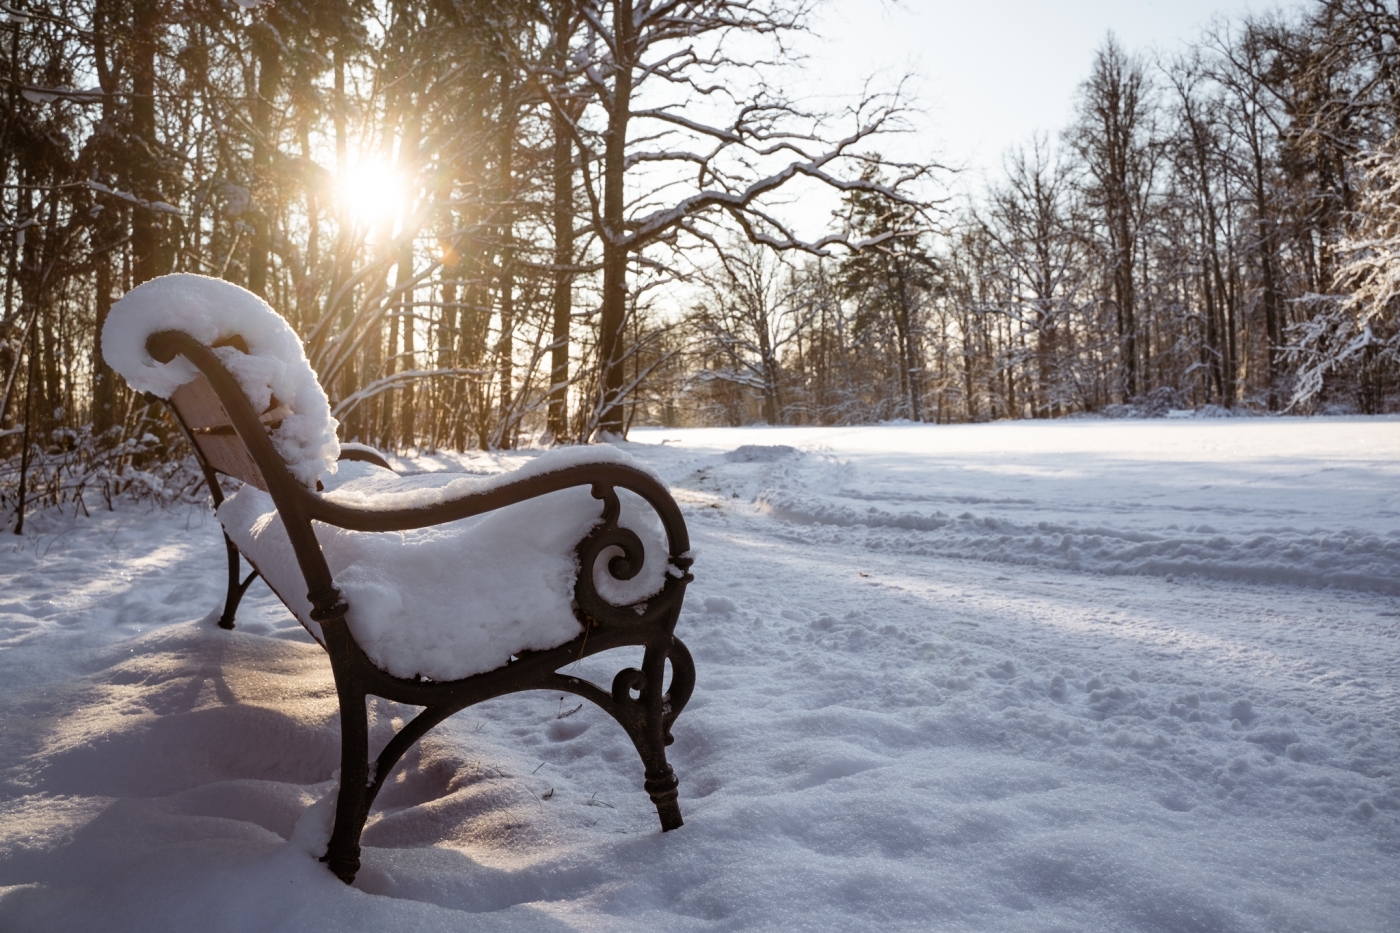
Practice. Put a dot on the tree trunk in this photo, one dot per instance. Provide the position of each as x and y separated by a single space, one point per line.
145 171
408 167
614 311
105 233
563 165
505 200
269 54
1272 304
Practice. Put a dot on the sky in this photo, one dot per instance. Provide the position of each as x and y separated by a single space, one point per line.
990 73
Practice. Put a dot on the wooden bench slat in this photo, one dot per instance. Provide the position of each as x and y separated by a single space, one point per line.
212 431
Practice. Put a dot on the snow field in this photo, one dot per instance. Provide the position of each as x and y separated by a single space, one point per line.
963 738
1241 500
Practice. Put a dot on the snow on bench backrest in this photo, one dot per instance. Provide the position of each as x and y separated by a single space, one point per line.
212 431
273 372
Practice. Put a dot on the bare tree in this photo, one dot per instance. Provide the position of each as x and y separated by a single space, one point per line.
673 110
753 310
1028 221
1201 159
891 276
1116 139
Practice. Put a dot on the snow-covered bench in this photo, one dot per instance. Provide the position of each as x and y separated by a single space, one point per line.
438 590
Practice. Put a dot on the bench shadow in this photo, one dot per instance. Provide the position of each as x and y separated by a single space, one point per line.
202 865
182 751
452 879
200 751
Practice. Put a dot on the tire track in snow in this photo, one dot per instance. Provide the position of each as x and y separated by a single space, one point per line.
1344 558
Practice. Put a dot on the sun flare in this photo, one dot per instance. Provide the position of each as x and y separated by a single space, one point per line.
372 192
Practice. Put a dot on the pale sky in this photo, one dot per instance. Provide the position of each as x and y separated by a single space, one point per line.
989 74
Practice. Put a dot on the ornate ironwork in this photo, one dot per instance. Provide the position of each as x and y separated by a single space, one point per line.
639 699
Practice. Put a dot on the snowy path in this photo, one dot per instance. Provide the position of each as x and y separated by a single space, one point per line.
886 733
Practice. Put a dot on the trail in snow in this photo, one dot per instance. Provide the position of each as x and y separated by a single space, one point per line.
1242 500
905 718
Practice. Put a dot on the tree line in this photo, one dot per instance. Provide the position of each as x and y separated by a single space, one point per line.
465 207
1216 227
557 219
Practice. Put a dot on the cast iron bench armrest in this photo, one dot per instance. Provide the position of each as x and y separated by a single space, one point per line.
604 477
601 475
364 455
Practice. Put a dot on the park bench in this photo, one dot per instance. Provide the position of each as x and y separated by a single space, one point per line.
297 536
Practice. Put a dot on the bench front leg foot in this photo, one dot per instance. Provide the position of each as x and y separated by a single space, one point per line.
664 789
653 732
353 800
343 861
343 853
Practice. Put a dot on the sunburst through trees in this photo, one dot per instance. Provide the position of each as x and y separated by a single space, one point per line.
551 220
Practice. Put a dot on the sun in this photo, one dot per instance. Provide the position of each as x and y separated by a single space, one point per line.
372 191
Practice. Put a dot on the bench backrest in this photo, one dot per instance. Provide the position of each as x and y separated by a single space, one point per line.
212 431
247 352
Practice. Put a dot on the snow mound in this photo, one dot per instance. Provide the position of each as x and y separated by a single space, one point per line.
379 491
1345 558
211 310
759 453
457 599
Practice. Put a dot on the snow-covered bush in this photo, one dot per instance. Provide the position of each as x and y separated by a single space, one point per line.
1354 331
1157 403
81 470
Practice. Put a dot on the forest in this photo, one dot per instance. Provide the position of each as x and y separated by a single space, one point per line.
547 221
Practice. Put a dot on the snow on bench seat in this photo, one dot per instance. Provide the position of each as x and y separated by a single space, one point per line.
457 599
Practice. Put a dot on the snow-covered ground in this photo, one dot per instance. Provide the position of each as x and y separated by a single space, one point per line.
1073 676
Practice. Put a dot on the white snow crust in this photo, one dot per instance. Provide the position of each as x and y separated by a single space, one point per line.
456 599
210 310
378 491
903 721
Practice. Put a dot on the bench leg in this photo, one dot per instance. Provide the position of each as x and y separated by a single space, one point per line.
352 802
236 588
663 788
646 718
661 782
647 721
357 796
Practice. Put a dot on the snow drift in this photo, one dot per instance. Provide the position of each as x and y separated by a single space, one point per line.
879 739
